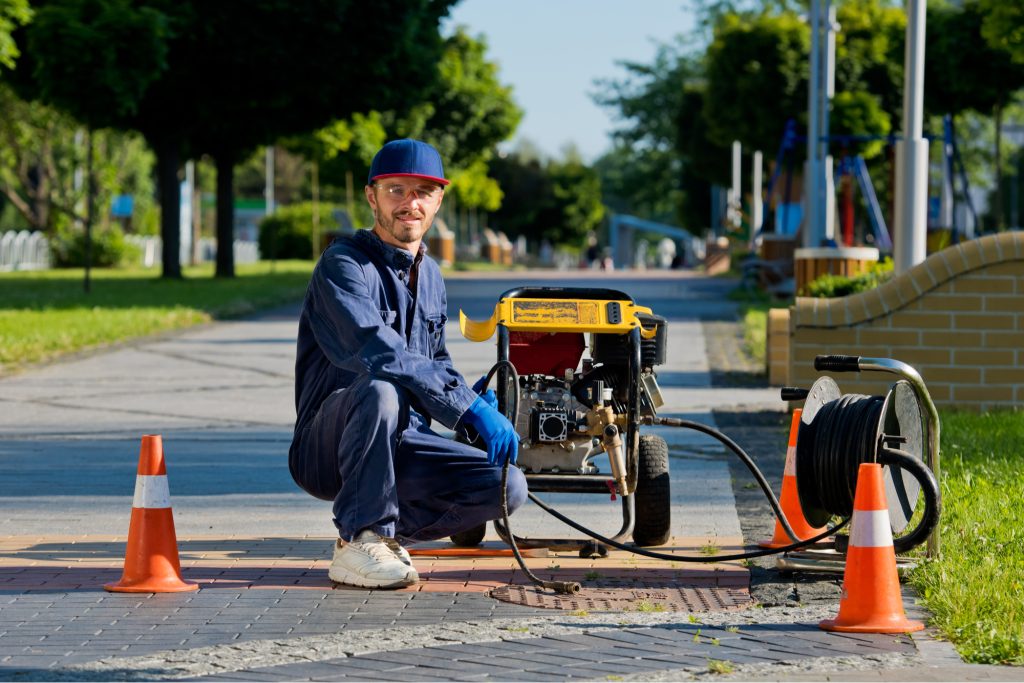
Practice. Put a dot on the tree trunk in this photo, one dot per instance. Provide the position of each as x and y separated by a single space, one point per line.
998 115
90 185
167 162
315 169
226 213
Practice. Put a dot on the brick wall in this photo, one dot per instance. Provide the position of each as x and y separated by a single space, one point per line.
777 343
958 318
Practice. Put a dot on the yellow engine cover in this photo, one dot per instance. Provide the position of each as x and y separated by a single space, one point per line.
558 315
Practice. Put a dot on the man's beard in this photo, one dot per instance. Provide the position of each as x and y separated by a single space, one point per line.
401 232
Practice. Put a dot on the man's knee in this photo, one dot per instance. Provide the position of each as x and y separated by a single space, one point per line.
517 489
376 400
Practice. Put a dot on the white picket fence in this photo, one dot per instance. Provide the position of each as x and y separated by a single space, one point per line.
24 250
152 250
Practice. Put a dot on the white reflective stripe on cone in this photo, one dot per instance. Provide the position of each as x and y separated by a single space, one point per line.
870 529
151 491
790 462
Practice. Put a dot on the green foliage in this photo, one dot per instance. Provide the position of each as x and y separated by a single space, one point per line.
108 248
465 114
223 77
557 200
720 666
869 52
41 150
96 59
1003 27
962 70
657 168
13 13
756 61
859 114
468 111
830 286
472 187
975 591
288 232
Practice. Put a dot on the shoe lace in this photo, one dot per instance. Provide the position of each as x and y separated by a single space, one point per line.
378 548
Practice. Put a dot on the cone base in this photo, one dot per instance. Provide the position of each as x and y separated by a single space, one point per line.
180 586
905 626
779 544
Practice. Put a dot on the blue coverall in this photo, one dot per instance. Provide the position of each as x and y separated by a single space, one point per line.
371 370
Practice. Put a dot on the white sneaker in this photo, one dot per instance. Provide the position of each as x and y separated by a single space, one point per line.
400 552
368 561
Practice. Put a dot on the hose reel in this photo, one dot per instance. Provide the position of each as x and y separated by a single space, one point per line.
839 432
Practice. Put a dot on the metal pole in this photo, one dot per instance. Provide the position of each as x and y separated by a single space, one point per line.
756 209
736 193
269 191
193 238
826 179
912 151
811 167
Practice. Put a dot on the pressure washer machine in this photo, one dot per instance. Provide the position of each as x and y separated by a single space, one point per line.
570 408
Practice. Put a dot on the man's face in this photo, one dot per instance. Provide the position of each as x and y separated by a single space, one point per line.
403 208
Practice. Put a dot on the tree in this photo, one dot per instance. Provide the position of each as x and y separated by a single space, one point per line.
13 13
42 152
756 78
558 200
662 160
965 72
869 53
1003 27
575 207
465 115
223 78
468 111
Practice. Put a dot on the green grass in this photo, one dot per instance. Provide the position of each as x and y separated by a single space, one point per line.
976 589
754 305
45 314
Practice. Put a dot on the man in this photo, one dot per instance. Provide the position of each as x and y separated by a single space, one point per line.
372 370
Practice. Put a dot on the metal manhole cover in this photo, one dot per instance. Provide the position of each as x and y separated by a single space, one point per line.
630 599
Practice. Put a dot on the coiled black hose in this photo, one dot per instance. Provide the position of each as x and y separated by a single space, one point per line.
843 434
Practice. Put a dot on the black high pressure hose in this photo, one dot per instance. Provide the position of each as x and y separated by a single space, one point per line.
564 587
571 587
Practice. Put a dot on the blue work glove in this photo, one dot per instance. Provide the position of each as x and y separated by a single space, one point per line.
489 395
496 431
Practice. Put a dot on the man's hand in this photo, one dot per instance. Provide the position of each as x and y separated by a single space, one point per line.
489 395
496 431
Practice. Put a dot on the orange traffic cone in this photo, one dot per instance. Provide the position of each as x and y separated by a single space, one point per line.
151 559
871 600
790 500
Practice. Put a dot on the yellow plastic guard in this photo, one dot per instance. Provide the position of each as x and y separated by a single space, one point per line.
558 315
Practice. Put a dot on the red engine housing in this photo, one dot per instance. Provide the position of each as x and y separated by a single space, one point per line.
545 353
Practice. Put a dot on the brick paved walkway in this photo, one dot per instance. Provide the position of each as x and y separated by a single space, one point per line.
265 610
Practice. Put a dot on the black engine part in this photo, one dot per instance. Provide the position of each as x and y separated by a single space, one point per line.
549 424
613 349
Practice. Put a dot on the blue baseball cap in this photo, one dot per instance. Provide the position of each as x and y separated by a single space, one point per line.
407 158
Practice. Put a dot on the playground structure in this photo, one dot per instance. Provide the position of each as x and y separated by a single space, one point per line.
622 229
779 222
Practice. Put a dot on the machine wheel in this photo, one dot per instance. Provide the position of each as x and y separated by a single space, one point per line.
653 493
470 538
